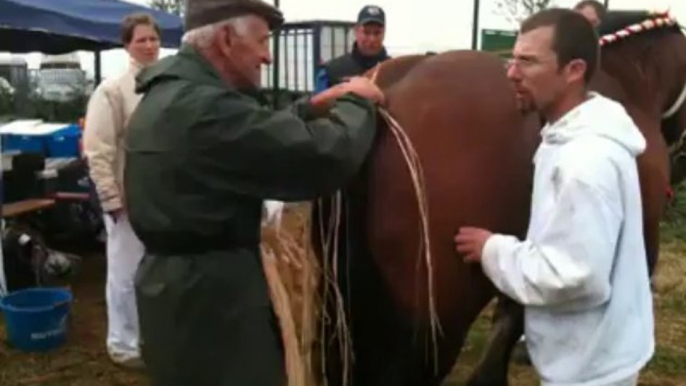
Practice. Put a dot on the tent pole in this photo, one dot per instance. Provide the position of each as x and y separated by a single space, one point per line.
98 68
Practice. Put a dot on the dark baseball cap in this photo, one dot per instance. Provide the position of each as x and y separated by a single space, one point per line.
371 14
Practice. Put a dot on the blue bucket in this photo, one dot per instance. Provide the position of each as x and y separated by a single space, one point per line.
36 319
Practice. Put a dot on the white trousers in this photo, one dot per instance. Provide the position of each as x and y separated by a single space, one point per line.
124 253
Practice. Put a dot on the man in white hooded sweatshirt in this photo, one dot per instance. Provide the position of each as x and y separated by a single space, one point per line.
581 273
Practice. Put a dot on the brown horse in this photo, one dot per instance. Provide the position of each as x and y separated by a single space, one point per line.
476 151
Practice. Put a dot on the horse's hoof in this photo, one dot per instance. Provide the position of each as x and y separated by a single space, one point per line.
520 355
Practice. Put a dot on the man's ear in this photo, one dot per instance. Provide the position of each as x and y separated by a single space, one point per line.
576 69
224 39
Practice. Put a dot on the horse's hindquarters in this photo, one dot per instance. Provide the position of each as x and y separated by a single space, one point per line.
476 152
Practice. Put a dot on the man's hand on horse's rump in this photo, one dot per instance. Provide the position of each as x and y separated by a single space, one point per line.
470 243
365 88
357 85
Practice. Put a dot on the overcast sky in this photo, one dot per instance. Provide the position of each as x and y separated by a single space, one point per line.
412 25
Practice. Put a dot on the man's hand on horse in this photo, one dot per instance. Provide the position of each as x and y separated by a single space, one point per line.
365 88
358 85
470 243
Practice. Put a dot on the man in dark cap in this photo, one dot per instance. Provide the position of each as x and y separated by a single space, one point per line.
202 154
368 50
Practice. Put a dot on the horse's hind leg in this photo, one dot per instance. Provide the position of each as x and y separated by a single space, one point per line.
506 331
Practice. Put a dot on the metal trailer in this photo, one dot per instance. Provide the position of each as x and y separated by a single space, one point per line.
299 49
15 87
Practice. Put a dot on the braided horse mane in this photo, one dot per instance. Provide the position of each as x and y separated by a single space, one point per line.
641 28
619 25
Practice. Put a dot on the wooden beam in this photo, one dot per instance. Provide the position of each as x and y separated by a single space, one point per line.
25 206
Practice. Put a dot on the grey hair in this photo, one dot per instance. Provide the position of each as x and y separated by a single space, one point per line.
201 37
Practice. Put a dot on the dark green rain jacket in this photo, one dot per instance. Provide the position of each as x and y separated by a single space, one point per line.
200 160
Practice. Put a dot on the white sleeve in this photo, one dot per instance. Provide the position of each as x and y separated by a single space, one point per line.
569 262
102 127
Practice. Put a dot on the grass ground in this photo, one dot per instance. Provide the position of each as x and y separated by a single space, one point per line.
83 362
668 367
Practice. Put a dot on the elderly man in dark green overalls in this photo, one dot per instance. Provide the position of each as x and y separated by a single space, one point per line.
203 153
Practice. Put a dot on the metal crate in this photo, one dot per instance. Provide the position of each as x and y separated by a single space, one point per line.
299 49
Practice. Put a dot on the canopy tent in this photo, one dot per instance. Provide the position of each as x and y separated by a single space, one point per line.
61 26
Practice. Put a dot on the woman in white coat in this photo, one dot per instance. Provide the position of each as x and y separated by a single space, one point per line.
109 109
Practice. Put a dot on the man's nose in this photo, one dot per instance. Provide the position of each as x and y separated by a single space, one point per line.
513 72
267 57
